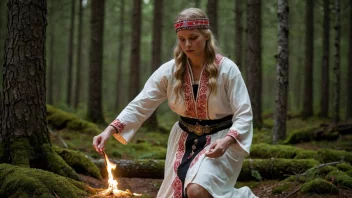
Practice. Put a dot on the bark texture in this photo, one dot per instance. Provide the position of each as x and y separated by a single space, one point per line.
282 68
212 11
308 71
135 50
78 83
337 74
349 72
95 110
253 59
24 134
119 76
239 34
324 98
70 55
152 122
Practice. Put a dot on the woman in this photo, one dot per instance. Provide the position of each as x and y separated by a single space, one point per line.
207 146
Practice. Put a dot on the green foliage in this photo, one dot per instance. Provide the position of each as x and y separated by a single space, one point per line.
319 186
28 182
80 163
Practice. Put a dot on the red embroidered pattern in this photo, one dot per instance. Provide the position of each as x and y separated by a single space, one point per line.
197 108
202 23
233 133
189 99
202 96
177 184
202 152
118 125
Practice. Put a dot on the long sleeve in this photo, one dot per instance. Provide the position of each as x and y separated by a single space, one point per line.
242 128
137 111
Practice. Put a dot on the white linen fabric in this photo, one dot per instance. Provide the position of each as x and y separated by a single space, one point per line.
219 175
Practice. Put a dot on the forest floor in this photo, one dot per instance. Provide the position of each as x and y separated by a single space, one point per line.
152 145
150 187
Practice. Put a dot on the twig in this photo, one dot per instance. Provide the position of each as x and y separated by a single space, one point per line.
320 166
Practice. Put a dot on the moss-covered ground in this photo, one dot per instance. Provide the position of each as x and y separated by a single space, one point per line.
301 143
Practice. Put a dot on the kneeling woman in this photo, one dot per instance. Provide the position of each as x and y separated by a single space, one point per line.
207 145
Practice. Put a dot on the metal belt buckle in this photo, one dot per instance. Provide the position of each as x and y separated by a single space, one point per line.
199 129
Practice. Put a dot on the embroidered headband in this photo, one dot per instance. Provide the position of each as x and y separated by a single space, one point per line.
200 23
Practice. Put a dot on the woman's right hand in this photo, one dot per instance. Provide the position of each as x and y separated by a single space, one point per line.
100 140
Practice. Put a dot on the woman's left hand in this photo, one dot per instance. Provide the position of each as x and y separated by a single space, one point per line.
219 147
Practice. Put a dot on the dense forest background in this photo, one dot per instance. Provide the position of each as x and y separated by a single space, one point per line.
58 45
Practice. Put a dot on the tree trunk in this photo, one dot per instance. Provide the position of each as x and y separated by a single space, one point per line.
279 131
51 54
119 76
238 35
308 72
324 98
253 60
77 92
152 122
2 39
135 50
25 136
349 73
337 75
70 55
95 110
212 11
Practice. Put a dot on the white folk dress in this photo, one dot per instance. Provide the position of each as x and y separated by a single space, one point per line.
218 176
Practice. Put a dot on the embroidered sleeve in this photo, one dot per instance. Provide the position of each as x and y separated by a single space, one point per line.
242 128
145 103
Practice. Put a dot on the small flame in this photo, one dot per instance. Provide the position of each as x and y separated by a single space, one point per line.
113 183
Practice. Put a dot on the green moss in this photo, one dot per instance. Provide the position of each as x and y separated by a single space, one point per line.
344 167
326 170
27 182
80 163
282 188
306 154
147 151
349 173
21 152
330 155
56 164
276 168
340 178
296 178
2 153
267 151
319 186
59 119
301 135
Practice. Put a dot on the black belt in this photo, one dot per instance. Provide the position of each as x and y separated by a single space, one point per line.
200 127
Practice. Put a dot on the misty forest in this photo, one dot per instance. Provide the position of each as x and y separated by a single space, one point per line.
69 68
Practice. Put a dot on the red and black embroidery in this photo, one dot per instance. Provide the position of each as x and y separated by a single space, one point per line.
197 108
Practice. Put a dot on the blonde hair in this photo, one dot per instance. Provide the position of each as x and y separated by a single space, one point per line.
210 53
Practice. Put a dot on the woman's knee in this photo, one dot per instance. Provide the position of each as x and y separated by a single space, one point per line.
197 191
